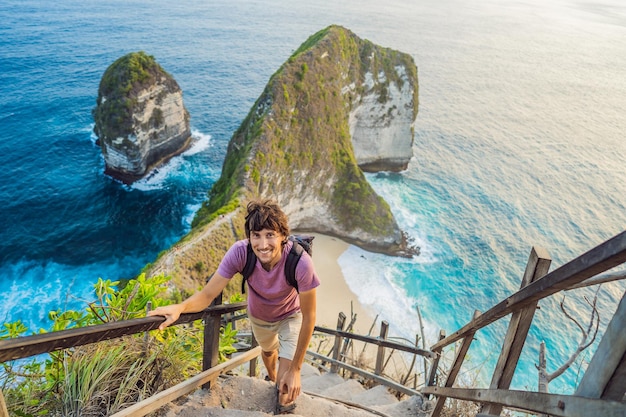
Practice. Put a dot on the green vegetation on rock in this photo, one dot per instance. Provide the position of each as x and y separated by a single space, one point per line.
103 378
117 94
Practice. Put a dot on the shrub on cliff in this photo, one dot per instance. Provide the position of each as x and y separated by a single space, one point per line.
103 378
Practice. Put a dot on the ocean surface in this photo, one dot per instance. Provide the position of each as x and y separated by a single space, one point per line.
519 142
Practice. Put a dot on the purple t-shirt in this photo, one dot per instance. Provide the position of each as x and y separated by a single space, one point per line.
270 297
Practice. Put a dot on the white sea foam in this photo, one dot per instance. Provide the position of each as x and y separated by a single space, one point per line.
92 135
35 289
158 177
402 200
201 142
376 282
190 213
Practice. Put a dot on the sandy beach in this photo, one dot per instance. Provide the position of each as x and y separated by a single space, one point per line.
334 295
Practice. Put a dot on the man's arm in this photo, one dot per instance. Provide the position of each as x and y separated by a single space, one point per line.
197 302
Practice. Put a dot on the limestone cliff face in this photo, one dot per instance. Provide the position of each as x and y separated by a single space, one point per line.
381 121
141 120
337 103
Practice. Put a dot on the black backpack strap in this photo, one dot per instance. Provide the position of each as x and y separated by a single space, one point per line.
248 269
293 257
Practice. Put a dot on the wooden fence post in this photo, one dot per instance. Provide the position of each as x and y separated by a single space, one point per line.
4 412
456 367
347 342
146 335
380 356
211 353
341 321
253 361
432 375
605 376
537 266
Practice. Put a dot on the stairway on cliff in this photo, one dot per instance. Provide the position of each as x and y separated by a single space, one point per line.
324 394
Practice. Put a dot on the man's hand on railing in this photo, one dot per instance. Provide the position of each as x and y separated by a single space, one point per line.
171 313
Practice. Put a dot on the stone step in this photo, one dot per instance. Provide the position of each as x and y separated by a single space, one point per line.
334 386
318 384
252 397
379 395
346 390
308 371
241 396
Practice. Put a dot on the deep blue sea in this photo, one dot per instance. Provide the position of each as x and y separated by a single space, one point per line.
519 142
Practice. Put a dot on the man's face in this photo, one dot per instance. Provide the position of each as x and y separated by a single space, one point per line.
267 246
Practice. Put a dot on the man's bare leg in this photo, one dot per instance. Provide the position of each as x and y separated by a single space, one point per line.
283 365
269 360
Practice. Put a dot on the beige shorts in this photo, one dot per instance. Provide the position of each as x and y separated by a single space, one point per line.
281 335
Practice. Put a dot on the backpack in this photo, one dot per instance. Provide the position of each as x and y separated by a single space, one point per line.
300 243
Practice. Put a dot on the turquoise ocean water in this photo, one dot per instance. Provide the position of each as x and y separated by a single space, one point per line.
519 142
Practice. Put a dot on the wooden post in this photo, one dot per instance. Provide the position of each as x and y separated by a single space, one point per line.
4 412
380 356
211 354
537 266
605 377
146 335
432 375
341 321
419 317
347 342
542 384
253 361
405 379
456 367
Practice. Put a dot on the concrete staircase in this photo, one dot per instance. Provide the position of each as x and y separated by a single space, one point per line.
325 394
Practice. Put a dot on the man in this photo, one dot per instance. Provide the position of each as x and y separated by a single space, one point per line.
282 318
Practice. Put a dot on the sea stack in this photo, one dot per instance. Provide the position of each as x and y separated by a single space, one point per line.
140 118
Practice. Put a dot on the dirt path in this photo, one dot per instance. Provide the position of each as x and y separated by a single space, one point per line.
165 264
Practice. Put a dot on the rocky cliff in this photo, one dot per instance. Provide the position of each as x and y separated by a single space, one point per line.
140 117
338 102
381 121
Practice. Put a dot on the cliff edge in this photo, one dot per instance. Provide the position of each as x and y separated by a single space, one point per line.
339 102
140 118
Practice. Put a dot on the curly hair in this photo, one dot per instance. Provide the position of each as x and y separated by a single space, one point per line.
266 214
